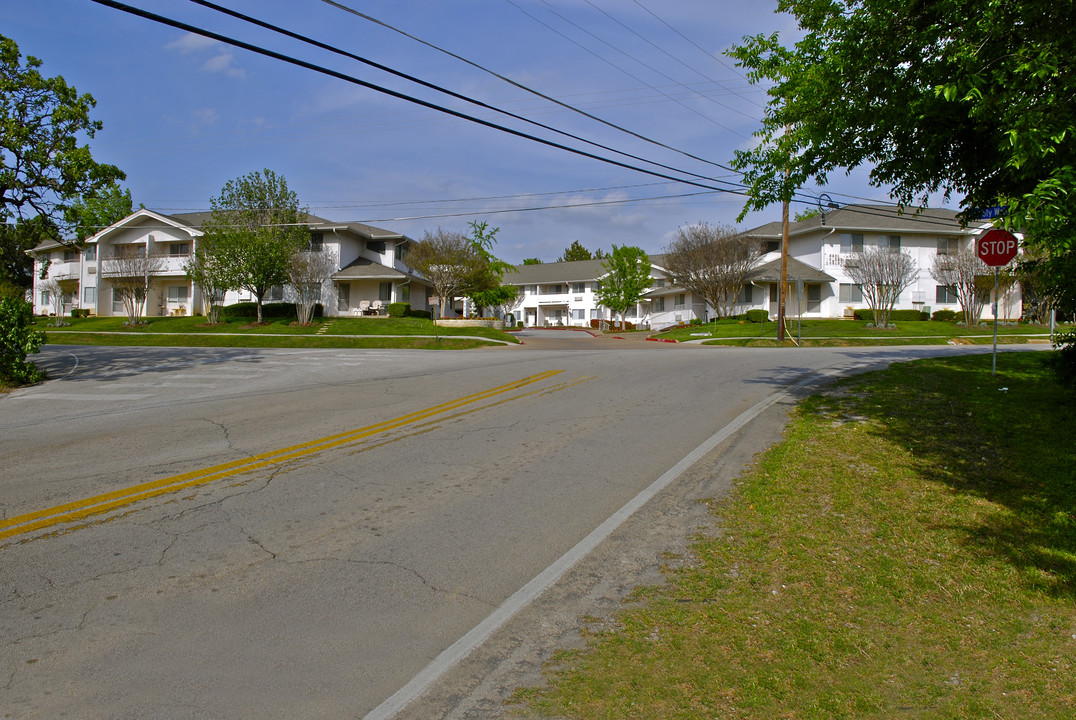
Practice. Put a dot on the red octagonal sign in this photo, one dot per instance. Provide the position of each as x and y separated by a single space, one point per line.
997 247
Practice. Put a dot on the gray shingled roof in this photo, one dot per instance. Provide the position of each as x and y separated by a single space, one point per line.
565 272
363 269
771 272
369 232
869 218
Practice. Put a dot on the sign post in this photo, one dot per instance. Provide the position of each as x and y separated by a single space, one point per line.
996 248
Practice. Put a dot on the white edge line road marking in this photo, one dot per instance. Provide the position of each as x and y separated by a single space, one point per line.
529 592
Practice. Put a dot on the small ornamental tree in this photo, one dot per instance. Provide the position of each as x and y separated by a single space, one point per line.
626 279
448 261
712 261
964 272
256 226
308 271
882 275
206 269
131 270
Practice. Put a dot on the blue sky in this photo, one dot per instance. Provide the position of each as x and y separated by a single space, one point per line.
183 115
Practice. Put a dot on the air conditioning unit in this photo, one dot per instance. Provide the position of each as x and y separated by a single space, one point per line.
851 262
91 270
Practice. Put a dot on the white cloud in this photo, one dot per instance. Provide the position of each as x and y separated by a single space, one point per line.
190 42
206 116
222 63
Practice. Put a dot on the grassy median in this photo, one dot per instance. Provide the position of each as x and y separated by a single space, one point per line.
908 551
345 332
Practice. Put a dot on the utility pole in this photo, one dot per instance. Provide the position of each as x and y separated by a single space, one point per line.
784 274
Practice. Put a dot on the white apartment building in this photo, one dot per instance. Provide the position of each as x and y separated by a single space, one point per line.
563 294
371 272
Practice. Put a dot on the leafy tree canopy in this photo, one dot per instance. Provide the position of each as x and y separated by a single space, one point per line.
627 278
255 227
94 212
575 252
531 261
16 267
969 97
43 168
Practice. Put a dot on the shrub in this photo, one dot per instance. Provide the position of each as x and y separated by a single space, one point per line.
424 314
944 315
758 316
867 315
1063 361
269 310
398 309
17 340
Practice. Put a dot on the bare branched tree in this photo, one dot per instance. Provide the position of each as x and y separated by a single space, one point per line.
882 275
58 288
964 272
308 271
448 260
712 262
207 270
131 269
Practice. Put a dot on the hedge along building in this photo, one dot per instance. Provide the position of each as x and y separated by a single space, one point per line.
369 262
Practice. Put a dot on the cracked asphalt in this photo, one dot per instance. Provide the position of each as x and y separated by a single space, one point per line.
320 584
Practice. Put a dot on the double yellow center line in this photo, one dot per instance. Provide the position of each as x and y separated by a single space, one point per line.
85 507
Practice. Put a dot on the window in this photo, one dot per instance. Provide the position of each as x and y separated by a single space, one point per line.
554 289
384 291
659 283
890 242
402 249
276 293
852 243
377 246
579 287
70 255
773 293
117 301
317 242
45 297
681 300
90 253
343 297
595 314
405 293
659 304
850 293
177 294
770 246
746 294
947 246
180 249
945 294
814 298
579 314
89 296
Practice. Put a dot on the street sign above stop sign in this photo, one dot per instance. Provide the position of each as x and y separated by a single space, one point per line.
997 247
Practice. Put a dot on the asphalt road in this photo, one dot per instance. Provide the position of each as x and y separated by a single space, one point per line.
204 533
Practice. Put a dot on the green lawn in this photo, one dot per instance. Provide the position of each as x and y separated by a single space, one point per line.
908 551
831 331
275 332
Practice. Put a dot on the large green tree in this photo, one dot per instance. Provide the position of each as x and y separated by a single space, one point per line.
44 164
967 97
627 278
964 97
448 261
92 213
255 228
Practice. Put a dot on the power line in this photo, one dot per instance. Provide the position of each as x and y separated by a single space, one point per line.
523 87
665 52
429 85
401 96
614 65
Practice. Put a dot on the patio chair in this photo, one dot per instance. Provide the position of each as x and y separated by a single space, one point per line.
364 307
375 307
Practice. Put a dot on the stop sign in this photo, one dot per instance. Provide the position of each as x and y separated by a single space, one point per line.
997 247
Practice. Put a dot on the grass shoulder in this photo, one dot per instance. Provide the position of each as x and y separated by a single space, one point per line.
891 557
